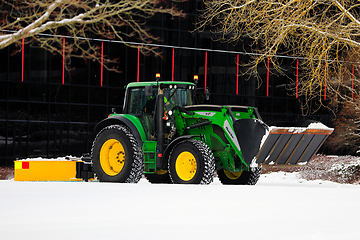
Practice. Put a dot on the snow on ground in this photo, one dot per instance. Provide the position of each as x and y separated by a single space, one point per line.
280 206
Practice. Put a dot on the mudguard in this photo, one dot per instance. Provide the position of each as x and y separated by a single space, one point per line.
130 121
174 142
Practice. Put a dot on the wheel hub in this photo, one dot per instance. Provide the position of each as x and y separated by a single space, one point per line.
186 166
112 157
232 175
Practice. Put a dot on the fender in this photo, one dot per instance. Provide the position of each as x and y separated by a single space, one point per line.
174 142
134 125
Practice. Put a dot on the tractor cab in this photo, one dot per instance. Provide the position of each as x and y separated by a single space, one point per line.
141 100
141 97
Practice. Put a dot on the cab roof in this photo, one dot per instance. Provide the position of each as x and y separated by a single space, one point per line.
142 84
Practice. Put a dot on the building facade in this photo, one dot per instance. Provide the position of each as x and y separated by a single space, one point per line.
40 115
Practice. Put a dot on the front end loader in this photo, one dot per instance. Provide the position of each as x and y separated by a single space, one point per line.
163 134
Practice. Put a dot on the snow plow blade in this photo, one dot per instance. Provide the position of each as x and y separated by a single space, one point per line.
292 145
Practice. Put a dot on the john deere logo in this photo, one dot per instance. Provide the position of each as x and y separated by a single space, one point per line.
210 114
231 134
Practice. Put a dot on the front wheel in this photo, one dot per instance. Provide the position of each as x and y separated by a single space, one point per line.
191 162
117 156
239 178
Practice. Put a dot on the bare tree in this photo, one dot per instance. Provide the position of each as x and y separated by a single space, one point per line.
44 21
346 136
323 34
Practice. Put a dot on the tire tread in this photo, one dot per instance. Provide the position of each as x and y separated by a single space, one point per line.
209 160
137 167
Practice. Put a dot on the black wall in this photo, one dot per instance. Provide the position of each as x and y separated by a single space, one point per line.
43 117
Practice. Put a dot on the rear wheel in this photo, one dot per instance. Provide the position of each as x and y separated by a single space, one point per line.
191 162
160 176
117 156
239 178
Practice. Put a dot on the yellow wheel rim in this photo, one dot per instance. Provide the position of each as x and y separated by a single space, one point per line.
112 157
232 175
161 172
185 166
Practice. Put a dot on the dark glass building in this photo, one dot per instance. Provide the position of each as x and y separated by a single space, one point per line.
40 115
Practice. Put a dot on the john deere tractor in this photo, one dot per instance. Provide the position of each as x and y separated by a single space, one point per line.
164 135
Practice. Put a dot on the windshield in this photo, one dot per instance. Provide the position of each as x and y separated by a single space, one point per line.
178 97
138 103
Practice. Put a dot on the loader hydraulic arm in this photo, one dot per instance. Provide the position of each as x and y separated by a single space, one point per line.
181 109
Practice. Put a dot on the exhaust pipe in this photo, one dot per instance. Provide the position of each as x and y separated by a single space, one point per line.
160 128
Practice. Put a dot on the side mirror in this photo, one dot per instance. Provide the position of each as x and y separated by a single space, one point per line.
207 94
148 91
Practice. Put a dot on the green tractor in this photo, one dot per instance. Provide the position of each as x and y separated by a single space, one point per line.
164 135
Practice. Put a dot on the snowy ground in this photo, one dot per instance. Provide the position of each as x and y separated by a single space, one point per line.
280 206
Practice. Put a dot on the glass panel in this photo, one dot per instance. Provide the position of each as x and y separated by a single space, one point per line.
98 95
59 112
38 111
138 103
59 93
38 92
78 113
116 98
97 113
178 97
79 94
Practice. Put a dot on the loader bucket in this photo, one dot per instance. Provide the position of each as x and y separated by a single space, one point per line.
292 145
250 133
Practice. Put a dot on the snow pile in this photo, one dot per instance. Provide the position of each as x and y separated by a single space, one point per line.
340 169
314 125
263 139
67 158
318 125
349 171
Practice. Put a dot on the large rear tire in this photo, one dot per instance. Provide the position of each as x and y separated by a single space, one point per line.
239 178
117 156
191 162
160 176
